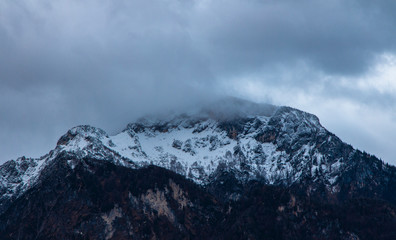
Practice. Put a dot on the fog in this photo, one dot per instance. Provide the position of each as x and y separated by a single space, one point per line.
66 62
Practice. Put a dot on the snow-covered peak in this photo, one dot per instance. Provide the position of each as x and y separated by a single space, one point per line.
82 132
195 144
279 145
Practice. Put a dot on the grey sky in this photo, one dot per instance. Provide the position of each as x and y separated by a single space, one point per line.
105 62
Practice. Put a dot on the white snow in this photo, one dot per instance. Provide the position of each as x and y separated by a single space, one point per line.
195 150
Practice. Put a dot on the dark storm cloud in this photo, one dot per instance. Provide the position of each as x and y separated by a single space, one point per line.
65 63
102 62
337 37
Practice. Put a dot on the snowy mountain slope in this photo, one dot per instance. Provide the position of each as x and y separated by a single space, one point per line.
276 145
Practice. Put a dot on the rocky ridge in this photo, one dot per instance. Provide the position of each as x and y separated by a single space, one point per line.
280 146
234 170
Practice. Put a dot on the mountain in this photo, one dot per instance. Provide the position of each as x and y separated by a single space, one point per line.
233 169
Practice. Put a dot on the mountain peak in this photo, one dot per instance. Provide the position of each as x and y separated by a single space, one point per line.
276 145
225 146
81 132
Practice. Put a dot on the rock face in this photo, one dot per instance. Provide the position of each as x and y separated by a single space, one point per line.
232 170
100 200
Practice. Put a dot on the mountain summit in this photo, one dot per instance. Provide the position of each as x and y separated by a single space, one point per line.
224 148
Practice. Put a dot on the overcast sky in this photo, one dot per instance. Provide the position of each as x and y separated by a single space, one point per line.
105 62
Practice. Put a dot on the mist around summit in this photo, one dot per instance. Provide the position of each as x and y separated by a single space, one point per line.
105 63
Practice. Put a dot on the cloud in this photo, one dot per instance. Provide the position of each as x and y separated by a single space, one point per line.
102 62
336 37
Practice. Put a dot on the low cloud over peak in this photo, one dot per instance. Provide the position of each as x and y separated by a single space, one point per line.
105 63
